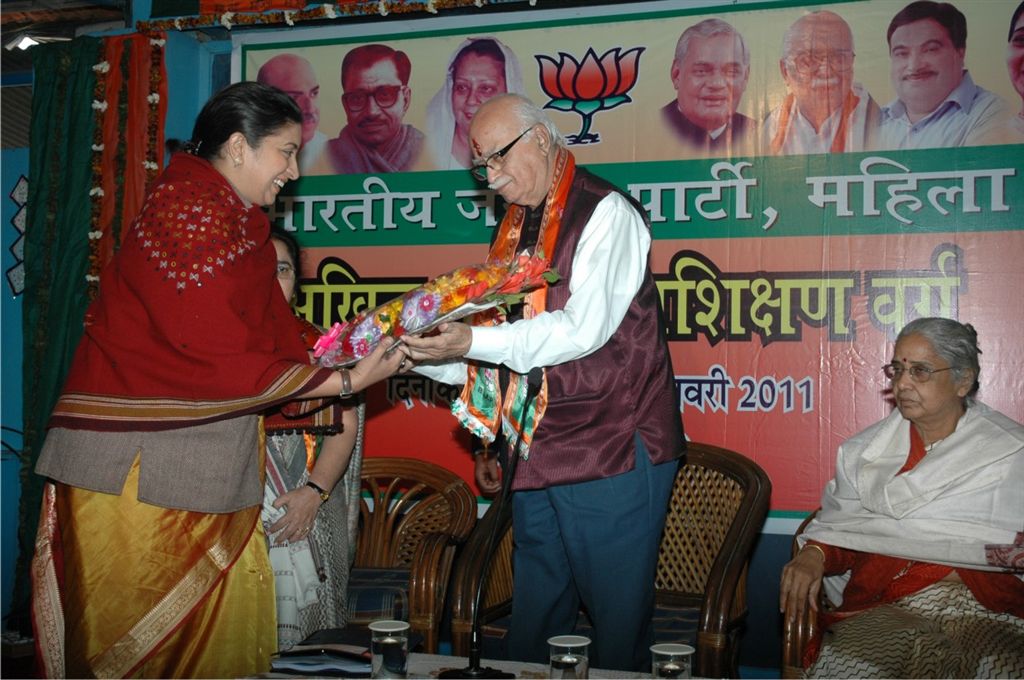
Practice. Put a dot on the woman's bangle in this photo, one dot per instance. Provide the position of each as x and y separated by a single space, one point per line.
346 383
816 547
324 494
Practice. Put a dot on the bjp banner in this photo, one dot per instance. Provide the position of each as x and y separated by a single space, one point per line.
814 179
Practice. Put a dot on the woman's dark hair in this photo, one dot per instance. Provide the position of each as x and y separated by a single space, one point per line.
254 109
1013 20
290 244
955 342
484 47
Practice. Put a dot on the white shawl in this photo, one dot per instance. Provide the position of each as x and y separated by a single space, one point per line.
966 493
441 118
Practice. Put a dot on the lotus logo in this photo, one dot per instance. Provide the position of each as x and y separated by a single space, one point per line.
590 85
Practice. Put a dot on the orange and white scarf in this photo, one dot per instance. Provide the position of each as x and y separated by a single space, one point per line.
481 408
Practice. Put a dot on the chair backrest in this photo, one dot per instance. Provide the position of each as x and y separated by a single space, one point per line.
409 499
718 503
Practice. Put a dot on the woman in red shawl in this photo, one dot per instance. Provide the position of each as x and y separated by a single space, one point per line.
150 558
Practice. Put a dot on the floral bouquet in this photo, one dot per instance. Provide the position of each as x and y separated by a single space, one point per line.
448 297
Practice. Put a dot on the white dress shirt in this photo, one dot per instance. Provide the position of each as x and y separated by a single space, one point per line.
969 116
607 271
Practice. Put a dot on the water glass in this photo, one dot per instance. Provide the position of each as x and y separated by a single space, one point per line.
389 646
569 656
671 660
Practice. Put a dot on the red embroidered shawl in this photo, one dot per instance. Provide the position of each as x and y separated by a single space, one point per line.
190 325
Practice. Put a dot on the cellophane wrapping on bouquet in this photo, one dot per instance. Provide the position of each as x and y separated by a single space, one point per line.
449 297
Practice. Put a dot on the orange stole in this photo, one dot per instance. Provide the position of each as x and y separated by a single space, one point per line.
147 591
504 249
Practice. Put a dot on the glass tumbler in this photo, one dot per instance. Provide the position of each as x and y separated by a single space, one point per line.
389 647
670 660
569 656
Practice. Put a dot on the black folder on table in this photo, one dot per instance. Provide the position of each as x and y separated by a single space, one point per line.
334 652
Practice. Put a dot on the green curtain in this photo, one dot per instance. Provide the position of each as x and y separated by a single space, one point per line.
56 261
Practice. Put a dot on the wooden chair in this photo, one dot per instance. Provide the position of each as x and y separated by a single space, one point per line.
416 515
797 633
719 502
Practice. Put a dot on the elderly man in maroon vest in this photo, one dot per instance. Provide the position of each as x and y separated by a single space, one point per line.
600 442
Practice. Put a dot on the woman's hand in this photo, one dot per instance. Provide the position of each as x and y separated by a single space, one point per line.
487 473
801 582
377 365
301 506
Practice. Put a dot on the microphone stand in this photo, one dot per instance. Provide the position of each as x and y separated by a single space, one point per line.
474 670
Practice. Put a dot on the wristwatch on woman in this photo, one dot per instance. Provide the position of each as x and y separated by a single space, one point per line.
324 494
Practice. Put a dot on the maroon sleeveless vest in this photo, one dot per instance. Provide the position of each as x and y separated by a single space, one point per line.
596 404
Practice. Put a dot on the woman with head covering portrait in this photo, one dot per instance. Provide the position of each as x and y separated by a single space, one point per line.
479 69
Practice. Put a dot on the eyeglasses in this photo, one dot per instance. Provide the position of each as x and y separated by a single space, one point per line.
497 159
385 96
840 61
285 271
918 373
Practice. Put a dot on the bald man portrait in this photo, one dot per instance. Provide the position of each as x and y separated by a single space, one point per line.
710 72
824 110
294 75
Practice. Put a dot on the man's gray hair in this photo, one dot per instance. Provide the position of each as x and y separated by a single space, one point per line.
820 16
706 29
530 114
955 342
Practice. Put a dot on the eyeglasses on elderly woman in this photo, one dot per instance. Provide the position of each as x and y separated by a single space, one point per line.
919 373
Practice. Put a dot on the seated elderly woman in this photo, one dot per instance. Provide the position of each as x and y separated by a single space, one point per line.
920 533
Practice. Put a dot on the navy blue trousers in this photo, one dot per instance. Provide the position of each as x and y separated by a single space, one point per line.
594 543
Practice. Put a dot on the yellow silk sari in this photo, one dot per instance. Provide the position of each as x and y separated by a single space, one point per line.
152 592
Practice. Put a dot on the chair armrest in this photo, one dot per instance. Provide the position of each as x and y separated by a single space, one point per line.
796 633
468 570
428 584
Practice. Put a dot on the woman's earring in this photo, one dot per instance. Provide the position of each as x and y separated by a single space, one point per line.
237 160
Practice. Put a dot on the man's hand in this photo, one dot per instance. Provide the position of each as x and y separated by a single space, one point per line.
801 582
451 342
487 473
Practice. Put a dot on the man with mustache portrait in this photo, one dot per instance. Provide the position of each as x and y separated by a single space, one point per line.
710 72
375 86
824 111
294 75
938 104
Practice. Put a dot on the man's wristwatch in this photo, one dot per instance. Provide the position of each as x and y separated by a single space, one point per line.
346 383
324 494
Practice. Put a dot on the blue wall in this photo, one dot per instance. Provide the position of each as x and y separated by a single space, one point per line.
15 165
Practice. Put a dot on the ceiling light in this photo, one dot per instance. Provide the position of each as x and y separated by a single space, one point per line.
26 42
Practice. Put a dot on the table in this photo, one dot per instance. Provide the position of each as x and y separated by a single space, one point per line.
429 665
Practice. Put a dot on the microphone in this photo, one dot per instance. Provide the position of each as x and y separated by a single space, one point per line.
534 379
